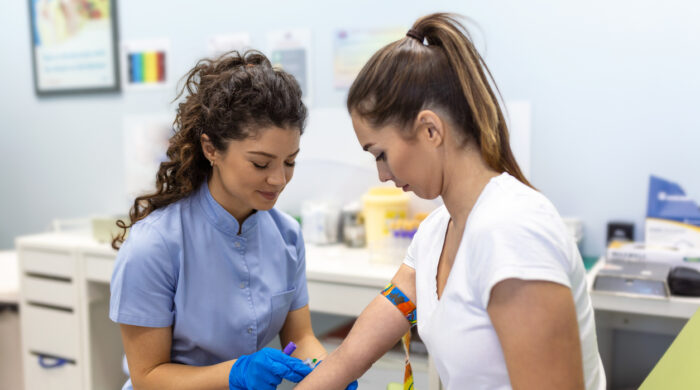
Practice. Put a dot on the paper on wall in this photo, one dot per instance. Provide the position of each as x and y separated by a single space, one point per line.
291 50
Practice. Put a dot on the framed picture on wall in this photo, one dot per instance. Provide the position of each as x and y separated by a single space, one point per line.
74 46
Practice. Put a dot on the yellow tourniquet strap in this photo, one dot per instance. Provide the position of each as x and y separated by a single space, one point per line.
408 371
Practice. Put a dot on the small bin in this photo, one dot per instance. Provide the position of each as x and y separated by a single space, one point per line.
382 206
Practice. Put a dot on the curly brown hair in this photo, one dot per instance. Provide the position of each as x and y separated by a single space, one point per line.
227 98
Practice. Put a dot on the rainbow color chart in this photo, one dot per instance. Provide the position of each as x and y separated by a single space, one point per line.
146 67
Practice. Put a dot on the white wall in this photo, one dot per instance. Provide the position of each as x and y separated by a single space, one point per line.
613 87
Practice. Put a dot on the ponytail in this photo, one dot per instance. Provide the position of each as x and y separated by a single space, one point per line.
436 66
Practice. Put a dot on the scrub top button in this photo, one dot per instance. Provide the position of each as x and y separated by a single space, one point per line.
237 244
250 330
242 285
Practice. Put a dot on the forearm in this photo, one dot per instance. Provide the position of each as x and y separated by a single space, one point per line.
183 377
378 329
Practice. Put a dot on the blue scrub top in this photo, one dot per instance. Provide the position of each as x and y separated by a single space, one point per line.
224 294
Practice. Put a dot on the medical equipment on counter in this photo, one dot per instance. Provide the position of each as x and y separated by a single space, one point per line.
684 281
401 234
620 231
673 219
633 278
353 225
575 227
381 206
104 228
639 251
319 222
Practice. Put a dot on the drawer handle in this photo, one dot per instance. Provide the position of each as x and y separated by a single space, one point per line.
51 362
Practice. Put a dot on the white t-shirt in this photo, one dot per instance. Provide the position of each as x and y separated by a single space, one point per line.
512 231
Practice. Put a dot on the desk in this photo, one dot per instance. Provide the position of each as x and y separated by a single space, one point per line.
64 301
650 316
64 306
333 271
65 281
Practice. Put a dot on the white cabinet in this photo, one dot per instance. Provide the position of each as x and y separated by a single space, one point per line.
68 341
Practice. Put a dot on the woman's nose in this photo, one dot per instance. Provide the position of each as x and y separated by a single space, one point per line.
384 173
277 178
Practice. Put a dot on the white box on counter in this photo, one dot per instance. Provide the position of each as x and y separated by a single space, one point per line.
639 251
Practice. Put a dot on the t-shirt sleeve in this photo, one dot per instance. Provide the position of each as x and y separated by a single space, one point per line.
301 297
144 281
528 247
412 251
426 230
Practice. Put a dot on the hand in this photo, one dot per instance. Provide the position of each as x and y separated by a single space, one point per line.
264 370
351 386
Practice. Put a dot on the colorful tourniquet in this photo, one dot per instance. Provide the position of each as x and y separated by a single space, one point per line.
401 301
408 371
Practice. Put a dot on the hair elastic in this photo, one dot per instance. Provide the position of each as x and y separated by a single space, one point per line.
415 35
401 301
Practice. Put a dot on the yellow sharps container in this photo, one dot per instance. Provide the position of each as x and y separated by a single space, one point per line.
381 206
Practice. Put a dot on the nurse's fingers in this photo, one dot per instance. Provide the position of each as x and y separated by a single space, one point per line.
265 386
293 363
294 374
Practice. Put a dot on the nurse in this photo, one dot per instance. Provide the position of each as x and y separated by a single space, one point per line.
498 282
210 272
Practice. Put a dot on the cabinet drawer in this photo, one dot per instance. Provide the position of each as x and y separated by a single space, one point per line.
49 291
59 264
98 268
51 331
64 376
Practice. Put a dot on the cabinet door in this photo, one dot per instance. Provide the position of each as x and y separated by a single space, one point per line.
50 331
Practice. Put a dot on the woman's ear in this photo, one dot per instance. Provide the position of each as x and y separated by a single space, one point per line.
430 127
208 148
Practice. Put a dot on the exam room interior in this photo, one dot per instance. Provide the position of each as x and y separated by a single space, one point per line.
613 89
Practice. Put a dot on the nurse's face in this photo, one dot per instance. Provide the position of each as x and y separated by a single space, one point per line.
253 172
410 164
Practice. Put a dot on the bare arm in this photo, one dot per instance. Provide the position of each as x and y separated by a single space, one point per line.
297 328
148 355
378 329
538 331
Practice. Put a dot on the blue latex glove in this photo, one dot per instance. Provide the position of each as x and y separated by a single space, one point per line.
264 370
